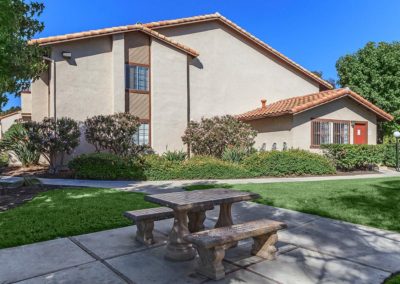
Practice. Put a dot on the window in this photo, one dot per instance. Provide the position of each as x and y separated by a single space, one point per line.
141 137
137 77
330 132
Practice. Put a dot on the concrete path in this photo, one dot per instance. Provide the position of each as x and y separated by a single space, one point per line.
312 250
153 187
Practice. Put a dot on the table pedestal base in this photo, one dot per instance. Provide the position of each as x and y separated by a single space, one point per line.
196 221
225 219
177 248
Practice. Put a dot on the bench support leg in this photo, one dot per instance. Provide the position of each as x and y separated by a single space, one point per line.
144 233
210 262
196 221
177 248
264 246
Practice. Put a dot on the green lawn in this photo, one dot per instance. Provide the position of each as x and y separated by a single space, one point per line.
394 280
371 202
67 212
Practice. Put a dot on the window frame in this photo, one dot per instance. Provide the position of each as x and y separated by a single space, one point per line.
137 134
128 65
317 146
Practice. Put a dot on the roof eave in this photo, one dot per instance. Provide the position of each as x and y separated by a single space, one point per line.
142 29
247 35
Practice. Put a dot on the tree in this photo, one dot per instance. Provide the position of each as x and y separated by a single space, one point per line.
211 136
55 138
321 75
374 73
19 61
114 133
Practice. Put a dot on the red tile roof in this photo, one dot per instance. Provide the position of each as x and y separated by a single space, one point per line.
115 30
149 28
245 34
299 104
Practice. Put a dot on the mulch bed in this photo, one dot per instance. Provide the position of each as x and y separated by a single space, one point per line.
12 197
37 171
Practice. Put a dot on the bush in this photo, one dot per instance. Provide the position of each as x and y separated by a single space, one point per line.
174 156
287 163
360 157
54 138
3 159
211 136
389 154
105 166
113 133
198 167
17 139
236 154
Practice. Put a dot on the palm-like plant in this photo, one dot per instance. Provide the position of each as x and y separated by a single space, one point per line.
16 139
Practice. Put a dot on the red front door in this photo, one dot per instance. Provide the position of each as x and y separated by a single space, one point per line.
360 133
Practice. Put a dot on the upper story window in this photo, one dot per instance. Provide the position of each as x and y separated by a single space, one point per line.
137 78
330 132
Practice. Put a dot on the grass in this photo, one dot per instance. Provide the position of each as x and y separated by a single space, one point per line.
67 212
393 280
371 202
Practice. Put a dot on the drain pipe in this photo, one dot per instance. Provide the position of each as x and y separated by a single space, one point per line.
53 62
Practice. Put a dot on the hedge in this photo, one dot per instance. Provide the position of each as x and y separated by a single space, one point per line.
154 167
288 163
105 166
360 157
198 167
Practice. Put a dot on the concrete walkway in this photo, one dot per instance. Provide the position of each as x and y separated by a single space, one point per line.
312 250
153 187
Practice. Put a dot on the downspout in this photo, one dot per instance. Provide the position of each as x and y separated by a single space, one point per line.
53 62
188 97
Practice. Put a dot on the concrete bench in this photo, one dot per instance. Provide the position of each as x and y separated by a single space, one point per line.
211 244
144 220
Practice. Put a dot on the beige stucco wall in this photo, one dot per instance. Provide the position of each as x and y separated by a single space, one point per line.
118 72
26 102
342 109
231 76
168 97
272 130
84 82
40 93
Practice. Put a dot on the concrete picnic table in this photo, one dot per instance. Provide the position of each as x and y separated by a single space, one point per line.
193 205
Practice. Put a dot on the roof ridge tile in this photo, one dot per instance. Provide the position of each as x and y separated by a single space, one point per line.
299 104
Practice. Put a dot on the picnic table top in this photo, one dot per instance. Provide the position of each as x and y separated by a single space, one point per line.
187 200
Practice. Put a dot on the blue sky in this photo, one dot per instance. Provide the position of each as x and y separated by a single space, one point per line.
312 33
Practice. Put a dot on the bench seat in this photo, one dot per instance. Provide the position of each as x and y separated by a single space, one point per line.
144 220
211 244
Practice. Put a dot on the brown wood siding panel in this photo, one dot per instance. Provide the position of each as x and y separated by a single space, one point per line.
137 48
139 105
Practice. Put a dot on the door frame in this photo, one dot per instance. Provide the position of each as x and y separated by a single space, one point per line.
366 131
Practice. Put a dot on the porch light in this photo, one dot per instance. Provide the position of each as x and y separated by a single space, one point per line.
396 135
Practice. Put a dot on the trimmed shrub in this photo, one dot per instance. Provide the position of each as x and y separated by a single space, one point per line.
174 156
18 140
389 154
236 154
348 157
114 133
288 163
198 167
211 136
105 166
